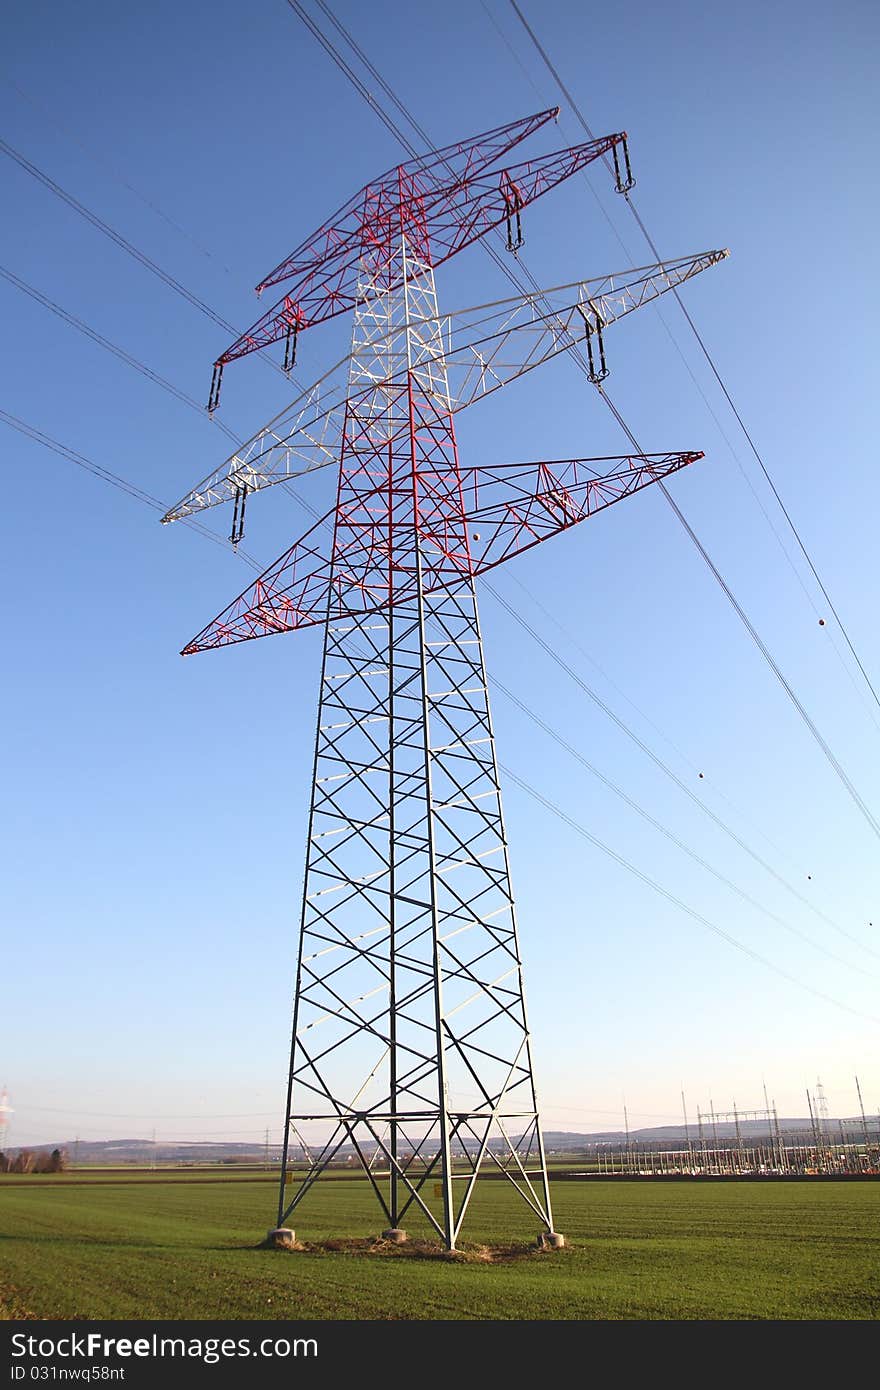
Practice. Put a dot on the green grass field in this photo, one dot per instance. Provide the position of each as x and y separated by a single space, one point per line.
86 1248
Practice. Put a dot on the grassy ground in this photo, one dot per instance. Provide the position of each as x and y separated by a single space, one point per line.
671 1251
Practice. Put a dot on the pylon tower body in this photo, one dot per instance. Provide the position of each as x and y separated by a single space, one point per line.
410 1037
411 1047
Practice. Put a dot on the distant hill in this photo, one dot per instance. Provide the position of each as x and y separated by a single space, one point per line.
85 1152
142 1151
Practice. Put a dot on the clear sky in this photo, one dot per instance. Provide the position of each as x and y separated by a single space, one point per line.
155 808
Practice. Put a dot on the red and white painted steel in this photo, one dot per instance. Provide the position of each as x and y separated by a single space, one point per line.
411 1047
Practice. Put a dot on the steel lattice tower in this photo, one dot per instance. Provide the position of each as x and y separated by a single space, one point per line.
411 1045
409 978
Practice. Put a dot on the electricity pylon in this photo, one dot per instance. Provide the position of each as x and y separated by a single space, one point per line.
411 1046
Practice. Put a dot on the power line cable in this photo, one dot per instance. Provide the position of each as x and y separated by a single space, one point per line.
333 52
859 802
138 366
331 49
697 384
104 474
664 767
664 830
578 646
124 244
845 666
116 173
140 495
669 332
344 67
411 149
822 743
272 1114
709 359
113 348
131 1115
575 352
115 480
652 883
115 236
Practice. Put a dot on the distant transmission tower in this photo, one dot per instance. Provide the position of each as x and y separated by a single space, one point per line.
821 1103
411 1045
6 1112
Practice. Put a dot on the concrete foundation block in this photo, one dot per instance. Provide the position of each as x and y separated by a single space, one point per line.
281 1238
550 1240
395 1235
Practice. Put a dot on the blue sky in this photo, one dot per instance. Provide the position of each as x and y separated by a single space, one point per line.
155 808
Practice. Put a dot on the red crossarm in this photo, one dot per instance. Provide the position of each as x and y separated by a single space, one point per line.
508 509
436 169
455 216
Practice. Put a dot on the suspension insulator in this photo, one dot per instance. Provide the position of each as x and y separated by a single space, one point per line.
290 347
594 330
622 183
515 238
214 395
237 531
513 203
